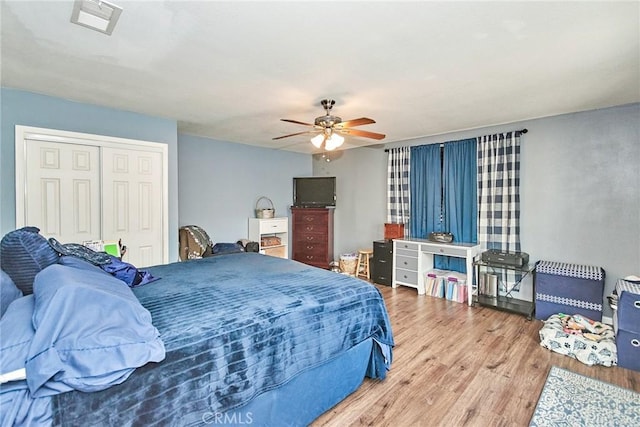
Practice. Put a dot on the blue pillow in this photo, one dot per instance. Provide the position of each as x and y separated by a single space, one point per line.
79 263
17 333
8 292
24 253
226 248
91 332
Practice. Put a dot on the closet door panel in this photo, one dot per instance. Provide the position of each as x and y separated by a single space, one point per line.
132 189
62 190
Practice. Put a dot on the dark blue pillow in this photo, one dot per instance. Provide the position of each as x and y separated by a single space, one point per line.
226 248
79 263
23 254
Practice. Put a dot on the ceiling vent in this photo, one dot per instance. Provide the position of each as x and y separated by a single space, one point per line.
96 14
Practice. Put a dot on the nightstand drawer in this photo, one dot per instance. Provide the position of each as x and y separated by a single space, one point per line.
279 225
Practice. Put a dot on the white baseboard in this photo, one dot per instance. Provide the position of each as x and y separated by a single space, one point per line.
607 320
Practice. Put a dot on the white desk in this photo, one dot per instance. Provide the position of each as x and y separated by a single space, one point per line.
412 258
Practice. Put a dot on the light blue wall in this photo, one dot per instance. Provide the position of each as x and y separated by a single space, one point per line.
220 183
580 189
30 109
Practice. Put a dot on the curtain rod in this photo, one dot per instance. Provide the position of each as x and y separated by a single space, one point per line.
525 130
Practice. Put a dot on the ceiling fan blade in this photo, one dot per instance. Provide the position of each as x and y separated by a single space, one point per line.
357 122
297 122
363 133
293 134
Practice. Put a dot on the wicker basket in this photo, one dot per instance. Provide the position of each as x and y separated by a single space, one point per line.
265 212
349 263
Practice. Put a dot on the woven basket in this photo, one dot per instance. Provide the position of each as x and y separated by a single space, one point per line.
265 212
349 263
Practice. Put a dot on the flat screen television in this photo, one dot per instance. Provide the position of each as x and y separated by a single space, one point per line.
314 192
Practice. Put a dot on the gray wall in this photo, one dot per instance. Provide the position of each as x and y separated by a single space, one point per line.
220 183
580 190
30 109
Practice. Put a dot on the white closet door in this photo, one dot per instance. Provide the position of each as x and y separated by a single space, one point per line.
62 190
132 203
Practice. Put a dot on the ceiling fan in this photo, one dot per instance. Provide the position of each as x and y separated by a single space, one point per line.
329 128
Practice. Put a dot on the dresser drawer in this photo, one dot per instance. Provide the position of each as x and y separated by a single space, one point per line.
406 276
273 226
311 219
318 248
312 258
311 228
305 238
407 263
407 253
407 245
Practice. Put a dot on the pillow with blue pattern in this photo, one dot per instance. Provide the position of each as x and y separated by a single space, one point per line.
23 254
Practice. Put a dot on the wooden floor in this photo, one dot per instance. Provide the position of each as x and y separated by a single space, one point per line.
455 365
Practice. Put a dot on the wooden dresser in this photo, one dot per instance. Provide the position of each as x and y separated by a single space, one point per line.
312 236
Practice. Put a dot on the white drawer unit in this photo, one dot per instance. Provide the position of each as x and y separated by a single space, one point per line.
272 231
412 258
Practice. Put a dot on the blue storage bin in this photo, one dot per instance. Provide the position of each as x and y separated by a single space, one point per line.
568 288
628 324
628 345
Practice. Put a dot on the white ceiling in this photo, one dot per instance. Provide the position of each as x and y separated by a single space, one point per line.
230 70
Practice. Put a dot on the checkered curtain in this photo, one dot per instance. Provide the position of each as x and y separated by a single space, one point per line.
398 194
499 193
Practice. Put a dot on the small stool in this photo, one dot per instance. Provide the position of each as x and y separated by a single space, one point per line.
363 263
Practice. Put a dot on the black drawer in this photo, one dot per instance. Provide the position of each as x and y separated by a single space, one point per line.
382 263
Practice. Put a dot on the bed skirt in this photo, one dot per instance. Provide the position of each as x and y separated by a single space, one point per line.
304 398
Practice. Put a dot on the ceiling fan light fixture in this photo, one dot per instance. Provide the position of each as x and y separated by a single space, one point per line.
317 140
98 15
333 142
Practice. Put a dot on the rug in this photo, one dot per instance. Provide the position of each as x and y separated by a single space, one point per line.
570 399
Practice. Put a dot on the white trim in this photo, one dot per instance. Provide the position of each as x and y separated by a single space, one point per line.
24 133
607 320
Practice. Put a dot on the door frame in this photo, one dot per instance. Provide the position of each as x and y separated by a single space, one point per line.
24 133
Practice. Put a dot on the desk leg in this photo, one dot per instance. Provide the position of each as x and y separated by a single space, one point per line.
425 264
470 279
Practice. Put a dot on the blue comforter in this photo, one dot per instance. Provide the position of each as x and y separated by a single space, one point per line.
235 326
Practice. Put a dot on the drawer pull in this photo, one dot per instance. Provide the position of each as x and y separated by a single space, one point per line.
309 247
635 342
441 250
636 304
406 263
309 256
309 227
309 238
405 276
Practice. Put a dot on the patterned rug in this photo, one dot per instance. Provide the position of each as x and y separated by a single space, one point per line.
570 399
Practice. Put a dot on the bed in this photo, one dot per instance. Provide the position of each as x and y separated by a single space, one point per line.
247 339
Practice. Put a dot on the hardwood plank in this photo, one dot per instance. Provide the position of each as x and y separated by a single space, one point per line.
459 365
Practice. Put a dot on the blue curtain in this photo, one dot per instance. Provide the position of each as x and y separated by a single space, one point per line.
426 186
460 176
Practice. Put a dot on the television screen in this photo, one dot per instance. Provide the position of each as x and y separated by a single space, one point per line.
314 191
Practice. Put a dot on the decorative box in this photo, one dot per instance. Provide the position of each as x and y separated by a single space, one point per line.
627 324
393 231
568 288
